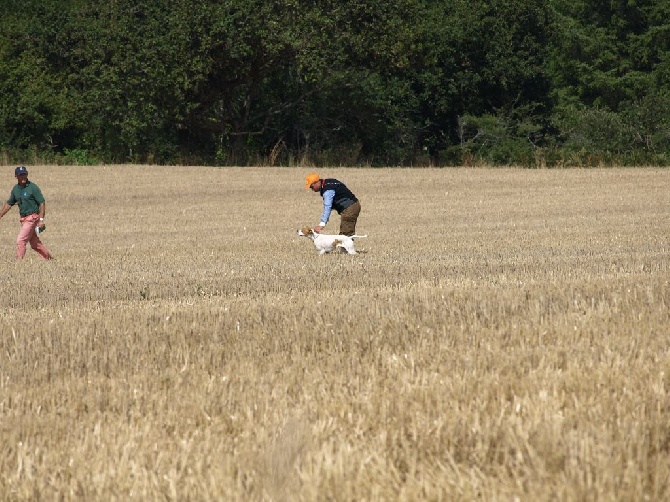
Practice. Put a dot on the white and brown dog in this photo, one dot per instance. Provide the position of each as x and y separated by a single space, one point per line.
327 243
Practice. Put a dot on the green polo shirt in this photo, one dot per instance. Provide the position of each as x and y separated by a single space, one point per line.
29 198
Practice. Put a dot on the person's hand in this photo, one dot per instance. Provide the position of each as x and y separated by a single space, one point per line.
318 229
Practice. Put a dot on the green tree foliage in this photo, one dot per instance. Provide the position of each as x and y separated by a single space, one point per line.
611 80
607 52
377 82
483 59
134 65
33 98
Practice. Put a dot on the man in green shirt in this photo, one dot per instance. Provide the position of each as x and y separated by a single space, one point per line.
32 207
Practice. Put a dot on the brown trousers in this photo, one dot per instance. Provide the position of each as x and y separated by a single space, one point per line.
348 219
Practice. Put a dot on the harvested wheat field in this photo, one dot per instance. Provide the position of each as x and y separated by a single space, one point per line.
502 334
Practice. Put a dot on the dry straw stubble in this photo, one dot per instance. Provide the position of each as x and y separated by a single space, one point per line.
502 334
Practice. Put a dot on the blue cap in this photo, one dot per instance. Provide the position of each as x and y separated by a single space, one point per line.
20 170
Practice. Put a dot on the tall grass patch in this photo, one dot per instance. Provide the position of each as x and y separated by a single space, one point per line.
501 334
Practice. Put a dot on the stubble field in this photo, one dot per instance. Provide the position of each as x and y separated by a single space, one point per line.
502 335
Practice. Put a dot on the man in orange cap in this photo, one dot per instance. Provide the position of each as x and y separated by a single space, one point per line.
336 196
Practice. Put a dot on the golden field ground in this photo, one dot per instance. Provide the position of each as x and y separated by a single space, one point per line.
502 335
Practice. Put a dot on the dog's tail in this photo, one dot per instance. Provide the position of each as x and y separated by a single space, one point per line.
358 236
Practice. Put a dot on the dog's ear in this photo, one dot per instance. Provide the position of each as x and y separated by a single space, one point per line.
306 230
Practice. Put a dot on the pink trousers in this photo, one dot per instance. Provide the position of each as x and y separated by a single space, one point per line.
27 235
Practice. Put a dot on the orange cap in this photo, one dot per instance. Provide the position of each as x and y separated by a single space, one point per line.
311 178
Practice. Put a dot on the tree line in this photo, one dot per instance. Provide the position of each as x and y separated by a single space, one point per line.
336 82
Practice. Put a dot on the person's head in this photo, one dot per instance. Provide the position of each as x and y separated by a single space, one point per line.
313 181
21 174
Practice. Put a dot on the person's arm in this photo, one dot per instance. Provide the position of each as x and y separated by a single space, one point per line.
328 197
43 208
4 209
